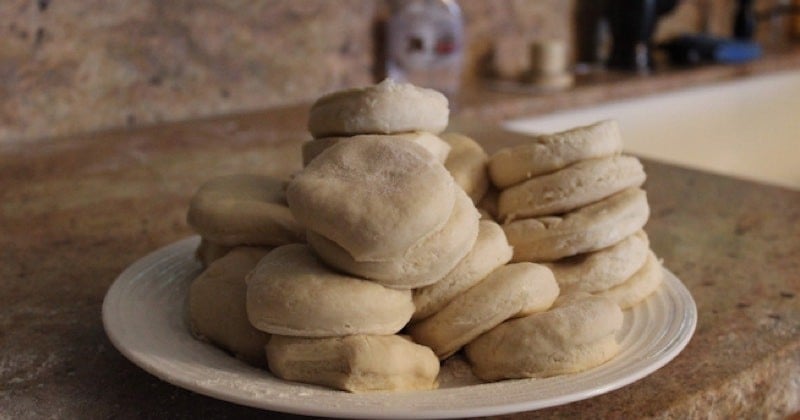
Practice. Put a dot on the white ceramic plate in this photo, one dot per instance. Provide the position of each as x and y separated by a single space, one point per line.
144 316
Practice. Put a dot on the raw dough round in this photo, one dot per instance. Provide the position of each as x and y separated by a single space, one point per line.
549 152
356 363
208 252
244 209
375 197
641 284
575 335
467 163
431 142
385 108
589 228
567 189
290 292
217 306
600 270
509 291
424 263
491 250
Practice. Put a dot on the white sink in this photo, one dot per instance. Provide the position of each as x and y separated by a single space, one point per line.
748 128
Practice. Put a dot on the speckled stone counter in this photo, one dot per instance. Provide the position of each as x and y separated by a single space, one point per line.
75 213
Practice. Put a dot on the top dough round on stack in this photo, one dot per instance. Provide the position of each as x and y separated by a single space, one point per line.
375 198
385 108
550 152
244 209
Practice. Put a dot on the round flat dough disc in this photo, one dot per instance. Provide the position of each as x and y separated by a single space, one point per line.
550 152
575 335
244 209
467 162
385 108
217 306
375 197
290 292
424 263
567 189
431 142
587 229
356 363
509 291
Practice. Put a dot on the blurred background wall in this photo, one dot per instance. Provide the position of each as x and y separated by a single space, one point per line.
75 66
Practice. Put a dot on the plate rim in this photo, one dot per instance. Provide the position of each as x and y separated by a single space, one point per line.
676 346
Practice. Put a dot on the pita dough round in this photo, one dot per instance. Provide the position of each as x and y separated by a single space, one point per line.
244 209
217 306
575 335
569 188
424 263
587 229
208 252
431 142
467 163
290 292
375 197
488 204
639 286
356 363
509 291
550 152
385 108
491 250
600 270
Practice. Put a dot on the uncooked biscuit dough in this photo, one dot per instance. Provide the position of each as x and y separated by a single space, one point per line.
550 152
601 270
357 363
640 285
385 108
575 335
244 209
217 305
491 250
290 292
510 291
375 198
467 162
488 204
587 229
424 263
208 252
567 189
431 142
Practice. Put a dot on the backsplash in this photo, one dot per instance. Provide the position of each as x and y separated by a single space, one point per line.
68 67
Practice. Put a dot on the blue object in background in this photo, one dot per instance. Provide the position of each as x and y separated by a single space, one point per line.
699 49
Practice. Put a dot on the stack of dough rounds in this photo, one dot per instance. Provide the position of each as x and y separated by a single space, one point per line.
383 216
395 245
572 201
384 210
397 111
241 209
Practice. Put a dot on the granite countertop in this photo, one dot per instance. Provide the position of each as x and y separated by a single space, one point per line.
77 211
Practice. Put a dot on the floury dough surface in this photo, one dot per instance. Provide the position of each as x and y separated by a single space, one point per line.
290 292
375 198
386 108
